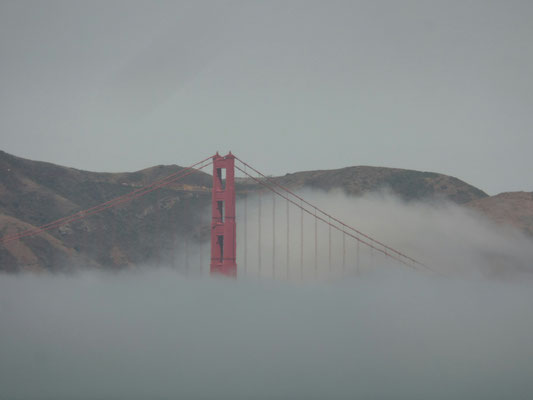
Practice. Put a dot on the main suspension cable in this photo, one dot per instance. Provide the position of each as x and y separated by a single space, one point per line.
274 182
108 204
383 251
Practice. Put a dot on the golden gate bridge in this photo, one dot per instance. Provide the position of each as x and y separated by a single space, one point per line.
223 260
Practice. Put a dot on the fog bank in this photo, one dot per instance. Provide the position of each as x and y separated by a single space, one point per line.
451 240
379 330
156 334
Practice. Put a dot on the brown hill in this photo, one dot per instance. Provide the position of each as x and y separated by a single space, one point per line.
513 208
34 193
408 184
144 231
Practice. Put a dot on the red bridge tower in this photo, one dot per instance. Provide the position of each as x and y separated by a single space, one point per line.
223 231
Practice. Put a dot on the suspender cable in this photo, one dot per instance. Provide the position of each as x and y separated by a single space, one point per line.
157 228
301 242
187 255
201 250
316 246
357 258
273 235
245 238
186 205
114 234
329 244
344 252
259 235
288 241
173 255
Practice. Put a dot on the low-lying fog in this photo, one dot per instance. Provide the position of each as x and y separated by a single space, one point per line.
378 331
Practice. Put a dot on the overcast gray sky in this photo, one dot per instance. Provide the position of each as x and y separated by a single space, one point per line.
441 86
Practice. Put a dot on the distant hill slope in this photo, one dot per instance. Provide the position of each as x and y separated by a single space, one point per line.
34 193
408 184
144 231
513 208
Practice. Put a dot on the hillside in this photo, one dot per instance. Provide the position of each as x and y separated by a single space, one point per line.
513 208
408 184
35 193
144 231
